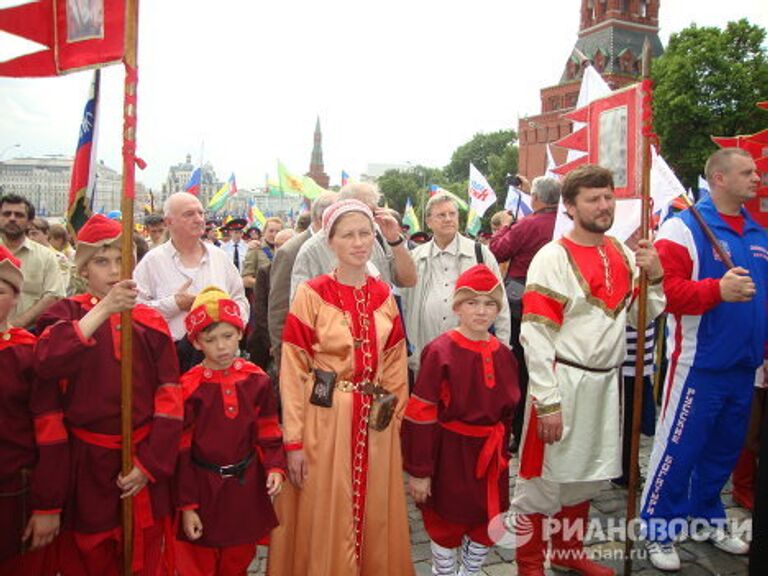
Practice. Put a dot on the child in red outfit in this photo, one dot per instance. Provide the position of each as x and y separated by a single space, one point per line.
19 531
78 362
231 461
456 427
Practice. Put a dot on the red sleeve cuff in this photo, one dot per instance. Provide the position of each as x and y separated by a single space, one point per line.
47 512
293 446
188 507
140 466
278 470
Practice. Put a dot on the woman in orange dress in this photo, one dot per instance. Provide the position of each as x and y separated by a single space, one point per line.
343 371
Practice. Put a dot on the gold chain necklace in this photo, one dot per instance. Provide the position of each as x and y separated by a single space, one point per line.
608 277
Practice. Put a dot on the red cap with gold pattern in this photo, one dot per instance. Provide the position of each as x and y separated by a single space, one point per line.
212 305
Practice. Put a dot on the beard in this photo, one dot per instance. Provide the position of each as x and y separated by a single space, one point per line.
597 227
13 231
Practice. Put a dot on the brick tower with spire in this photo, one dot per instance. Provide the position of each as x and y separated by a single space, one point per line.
316 168
611 37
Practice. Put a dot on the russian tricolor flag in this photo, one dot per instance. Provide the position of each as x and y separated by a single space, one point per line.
193 186
344 178
82 179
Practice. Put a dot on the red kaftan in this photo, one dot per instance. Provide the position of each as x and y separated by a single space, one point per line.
457 424
229 414
83 379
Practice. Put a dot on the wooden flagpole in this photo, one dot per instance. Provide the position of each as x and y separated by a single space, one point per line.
126 247
642 299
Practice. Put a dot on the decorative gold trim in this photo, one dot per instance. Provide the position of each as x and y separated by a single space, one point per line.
612 313
547 410
539 319
548 292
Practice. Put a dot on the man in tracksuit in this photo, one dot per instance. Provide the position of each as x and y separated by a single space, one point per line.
715 345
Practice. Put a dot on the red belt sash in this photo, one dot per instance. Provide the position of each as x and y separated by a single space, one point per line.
142 506
490 461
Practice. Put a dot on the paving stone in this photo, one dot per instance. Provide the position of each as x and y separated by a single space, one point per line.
720 563
421 552
698 558
500 570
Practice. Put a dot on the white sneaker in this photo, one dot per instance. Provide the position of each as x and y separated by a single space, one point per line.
663 556
727 542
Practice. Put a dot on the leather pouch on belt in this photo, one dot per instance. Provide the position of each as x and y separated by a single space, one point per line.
322 390
383 404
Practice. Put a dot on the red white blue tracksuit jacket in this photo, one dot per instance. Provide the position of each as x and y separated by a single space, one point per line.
714 349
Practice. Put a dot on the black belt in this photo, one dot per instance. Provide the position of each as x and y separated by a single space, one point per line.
236 470
573 364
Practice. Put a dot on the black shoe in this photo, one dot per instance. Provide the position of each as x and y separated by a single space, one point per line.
621 482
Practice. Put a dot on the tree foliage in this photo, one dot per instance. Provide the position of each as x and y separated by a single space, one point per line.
706 84
494 154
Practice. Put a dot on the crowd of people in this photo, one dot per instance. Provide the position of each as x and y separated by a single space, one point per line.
292 384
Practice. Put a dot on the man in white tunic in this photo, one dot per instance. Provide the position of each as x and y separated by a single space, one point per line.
580 293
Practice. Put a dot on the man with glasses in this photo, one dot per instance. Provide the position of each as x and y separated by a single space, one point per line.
428 310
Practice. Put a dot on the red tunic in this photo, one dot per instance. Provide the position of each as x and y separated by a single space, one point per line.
17 435
82 378
229 414
464 387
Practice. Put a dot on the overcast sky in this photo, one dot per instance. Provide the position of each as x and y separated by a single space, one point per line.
241 82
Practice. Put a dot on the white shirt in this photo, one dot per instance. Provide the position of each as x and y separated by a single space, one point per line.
160 275
437 315
229 250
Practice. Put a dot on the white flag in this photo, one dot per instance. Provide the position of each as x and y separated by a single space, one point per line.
481 195
551 165
518 202
703 188
665 186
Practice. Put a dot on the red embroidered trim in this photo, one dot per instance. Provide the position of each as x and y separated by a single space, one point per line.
541 305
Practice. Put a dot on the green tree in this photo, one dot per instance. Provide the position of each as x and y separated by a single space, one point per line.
397 185
706 84
494 154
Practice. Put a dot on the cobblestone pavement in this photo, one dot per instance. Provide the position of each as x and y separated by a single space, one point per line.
698 558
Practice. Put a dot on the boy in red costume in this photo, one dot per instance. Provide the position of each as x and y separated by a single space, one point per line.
78 355
457 425
232 460
18 453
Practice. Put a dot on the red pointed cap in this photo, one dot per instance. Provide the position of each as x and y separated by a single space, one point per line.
478 280
97 232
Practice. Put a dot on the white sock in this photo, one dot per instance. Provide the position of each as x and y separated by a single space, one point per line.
472 557
443 560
